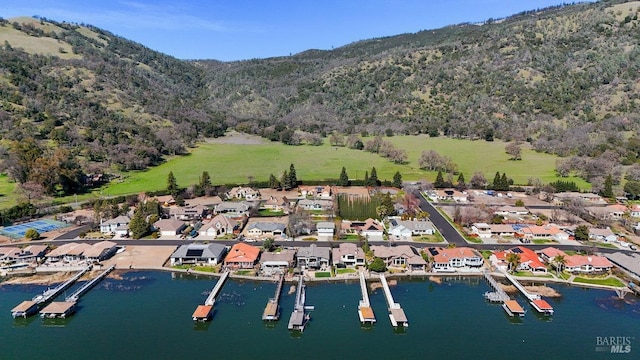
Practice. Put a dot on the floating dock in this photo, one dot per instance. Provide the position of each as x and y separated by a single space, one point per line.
203 312
513 308
272 310
541 306
364 307
31 307
62 309
299 318
396 314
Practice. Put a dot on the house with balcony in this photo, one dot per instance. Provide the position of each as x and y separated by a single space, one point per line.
116 226
242 256
272 263
403 256
198 254
314 257
455 259
348 255
100 251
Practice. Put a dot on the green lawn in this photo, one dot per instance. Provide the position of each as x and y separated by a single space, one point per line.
543 241
236 163
345 271
266 213
608 281
323 274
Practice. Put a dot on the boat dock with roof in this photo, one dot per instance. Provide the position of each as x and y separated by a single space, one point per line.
299 318
513 308
203 312
31 307
541 306
364 307
272 310
62 309
396 314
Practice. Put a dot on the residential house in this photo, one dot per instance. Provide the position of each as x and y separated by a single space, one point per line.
403 230
194 212
547 254
220 225
198 254
634 212
372 230
242 256
100 251
314 257
587 264
549 231
529 260
448 195
509 211
315 204
243 192
272 263
29 254
602 235
232 209
276 204
316 192
610 212
265 229
483 230
348 255
400 256
116 226
326 230
567 197
69 252
169 227
450 260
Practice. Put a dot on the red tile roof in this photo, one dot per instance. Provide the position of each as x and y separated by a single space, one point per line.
242 253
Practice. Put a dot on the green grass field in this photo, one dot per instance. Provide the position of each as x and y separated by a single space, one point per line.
230 163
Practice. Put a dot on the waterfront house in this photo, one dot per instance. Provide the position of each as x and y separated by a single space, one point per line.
220 225
577 263
244 193
455 259
69 252
272 263
403 256
100 251
314 257
266 229
198 254
116 226
232 209
549 253
348 255
529 260
242 256
325 229
29 254
169 227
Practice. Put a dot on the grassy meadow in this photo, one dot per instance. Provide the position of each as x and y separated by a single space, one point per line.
236 158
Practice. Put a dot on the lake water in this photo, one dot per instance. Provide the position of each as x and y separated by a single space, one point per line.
147 315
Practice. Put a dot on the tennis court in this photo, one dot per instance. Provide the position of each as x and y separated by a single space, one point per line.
42 226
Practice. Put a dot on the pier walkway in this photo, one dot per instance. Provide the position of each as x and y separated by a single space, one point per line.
364 307
272 310
521 288
86 287
299 318
203 312
498 294
396 314
30 307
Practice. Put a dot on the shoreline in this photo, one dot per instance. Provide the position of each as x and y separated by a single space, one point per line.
50 278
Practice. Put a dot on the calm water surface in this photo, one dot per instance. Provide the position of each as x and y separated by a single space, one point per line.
147 315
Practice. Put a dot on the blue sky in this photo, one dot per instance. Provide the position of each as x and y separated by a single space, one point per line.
245 29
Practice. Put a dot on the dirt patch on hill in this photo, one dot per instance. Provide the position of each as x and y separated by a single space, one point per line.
237 138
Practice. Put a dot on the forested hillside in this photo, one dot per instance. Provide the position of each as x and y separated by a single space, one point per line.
76 99
566 79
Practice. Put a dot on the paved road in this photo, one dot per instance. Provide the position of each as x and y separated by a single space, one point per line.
444 227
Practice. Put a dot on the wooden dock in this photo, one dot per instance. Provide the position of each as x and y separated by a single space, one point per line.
512 308
365 312
396 314
203 312
272 310
541 306
498 294
299 317
31 307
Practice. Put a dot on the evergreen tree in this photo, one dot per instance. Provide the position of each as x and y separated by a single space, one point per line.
273 182
397 180
344 178
172 185
439 183
285 181
496 181
293 179
138 225
366 178
373 178
461 185
205 180
504 182
607 191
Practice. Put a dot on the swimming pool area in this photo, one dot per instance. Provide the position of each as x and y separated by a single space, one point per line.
42 226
